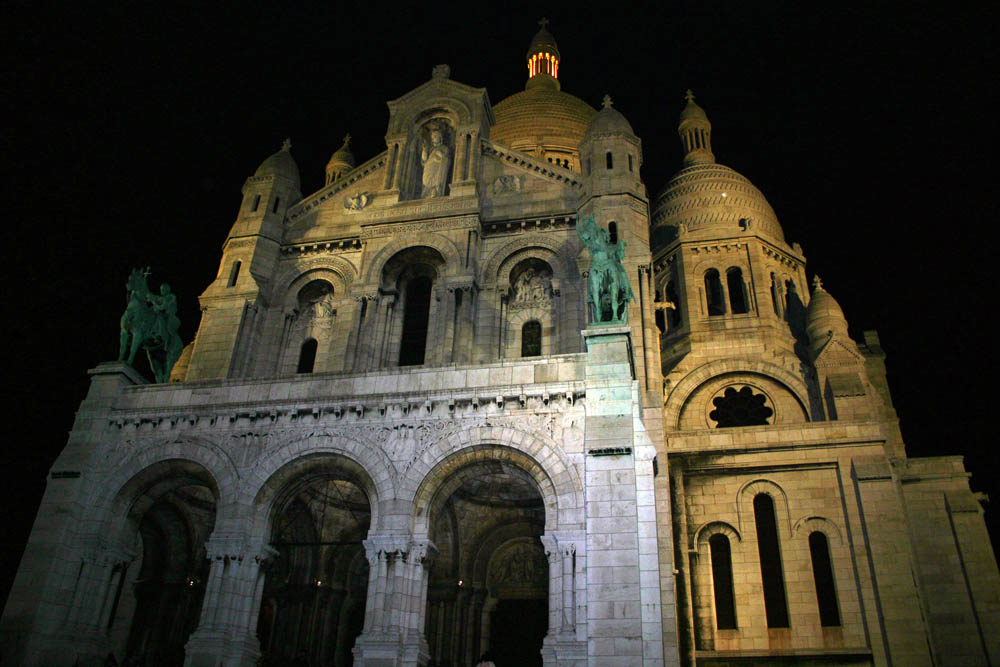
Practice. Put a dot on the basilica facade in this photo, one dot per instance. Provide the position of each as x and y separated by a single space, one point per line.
399 439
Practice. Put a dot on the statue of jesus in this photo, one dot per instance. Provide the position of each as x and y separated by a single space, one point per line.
436 160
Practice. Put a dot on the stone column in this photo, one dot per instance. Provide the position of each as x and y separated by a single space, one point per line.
226 632
100 576
566 641
397 595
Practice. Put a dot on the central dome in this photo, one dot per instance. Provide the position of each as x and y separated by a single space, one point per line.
542 120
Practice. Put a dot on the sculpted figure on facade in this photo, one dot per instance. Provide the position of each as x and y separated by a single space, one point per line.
532 286
609 289
435 157
150 322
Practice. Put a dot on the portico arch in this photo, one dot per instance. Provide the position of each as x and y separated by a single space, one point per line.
317 509
483 508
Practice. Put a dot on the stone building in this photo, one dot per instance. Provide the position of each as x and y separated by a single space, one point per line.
395 439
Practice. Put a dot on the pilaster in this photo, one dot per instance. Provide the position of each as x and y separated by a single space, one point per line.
624 624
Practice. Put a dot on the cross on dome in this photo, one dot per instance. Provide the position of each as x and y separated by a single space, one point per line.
543 22
286 144
607 102
817 283
347 139
689 96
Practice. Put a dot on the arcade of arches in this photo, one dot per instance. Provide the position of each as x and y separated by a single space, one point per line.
488 573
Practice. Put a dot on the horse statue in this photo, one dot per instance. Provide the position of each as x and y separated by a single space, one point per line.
150 322
609 289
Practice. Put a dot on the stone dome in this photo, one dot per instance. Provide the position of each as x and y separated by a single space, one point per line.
281 164
542 118
609 121
823 315
710 200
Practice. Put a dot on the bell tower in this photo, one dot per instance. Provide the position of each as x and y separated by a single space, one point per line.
229 326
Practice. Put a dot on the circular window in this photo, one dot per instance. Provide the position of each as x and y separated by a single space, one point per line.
740 406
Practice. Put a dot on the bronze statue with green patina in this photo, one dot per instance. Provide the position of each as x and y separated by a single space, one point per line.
609 290
150 322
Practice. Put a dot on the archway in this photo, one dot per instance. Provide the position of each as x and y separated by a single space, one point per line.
315 588
490 580
156 600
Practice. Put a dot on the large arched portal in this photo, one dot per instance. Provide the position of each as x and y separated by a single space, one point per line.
489 585
155 601
313 604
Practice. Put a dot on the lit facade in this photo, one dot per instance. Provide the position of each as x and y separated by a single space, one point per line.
396 440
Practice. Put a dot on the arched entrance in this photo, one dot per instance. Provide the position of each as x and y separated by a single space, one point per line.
489 585
156 600
313 603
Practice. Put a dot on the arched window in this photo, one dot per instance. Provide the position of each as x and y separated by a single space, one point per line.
630 162
775 299
277 202
673 314
613 231
608 159
531 339
771 573
826 592
234 273
256 203
722 580
737 291
416 314
307 356
713 293
468 156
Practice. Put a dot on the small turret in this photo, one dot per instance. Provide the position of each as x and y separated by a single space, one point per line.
341 162
696 133
611 153
824 318
269 192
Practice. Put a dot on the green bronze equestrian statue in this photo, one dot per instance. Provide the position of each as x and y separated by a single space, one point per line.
150 322
609 289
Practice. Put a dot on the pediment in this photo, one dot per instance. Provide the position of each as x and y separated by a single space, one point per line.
465 105
836 352
506 170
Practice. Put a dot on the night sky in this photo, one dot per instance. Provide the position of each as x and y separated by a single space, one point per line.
869 130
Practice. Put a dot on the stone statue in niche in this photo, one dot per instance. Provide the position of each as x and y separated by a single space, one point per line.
435 158
532 285
316 309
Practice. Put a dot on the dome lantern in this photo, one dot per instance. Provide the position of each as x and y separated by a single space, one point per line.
543 55
696 133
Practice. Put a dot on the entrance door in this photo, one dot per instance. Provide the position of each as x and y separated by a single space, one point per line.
517 630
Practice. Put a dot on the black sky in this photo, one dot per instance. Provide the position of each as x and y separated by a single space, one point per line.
132 127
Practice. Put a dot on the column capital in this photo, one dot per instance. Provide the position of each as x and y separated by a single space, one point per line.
238 548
